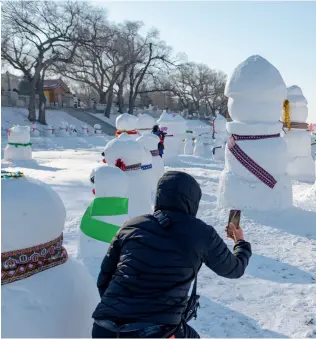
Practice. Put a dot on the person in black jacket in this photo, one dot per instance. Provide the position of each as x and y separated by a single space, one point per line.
145 277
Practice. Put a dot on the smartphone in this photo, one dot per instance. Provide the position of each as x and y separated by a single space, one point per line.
234 218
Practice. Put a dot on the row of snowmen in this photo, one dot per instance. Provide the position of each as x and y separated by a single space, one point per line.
176 131
63 130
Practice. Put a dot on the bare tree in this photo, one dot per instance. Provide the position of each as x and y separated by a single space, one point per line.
37 34
103 61
196 85
151 56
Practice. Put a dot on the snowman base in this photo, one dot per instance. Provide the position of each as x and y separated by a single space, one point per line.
302 169
13 153
237 193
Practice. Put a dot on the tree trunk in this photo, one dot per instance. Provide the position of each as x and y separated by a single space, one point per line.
32 104
102 97
120 99
42 100
109 102
131 103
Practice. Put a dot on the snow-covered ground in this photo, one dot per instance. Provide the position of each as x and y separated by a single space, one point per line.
277 295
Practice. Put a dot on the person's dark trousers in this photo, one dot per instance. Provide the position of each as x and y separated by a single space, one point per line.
181 331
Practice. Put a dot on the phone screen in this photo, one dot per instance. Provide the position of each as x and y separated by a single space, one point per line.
234 218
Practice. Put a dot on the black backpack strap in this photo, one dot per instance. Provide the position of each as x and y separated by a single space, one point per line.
165 222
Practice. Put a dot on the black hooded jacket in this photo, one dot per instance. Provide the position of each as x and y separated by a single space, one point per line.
145 277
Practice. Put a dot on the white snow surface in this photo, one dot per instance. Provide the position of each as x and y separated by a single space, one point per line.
275 297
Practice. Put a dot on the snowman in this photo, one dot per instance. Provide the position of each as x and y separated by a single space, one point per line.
220 135
97 129
145 124
19 146
73 130
256 156
188 146
199 147
127 154
84 130
63 129
301 165
48 292
126 123
49 131
104 216
180 132
35 133
150 144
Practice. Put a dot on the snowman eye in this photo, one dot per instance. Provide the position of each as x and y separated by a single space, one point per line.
92 179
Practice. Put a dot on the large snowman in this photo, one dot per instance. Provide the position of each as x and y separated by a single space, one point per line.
19 145
45 293
256 156
104 216
127 154
126 123
301 165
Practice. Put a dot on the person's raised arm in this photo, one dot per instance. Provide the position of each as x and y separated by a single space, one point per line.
108 266
220 259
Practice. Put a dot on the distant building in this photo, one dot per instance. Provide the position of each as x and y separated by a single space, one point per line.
10 81
55 91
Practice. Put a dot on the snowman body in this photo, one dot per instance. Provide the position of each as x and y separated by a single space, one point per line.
110 189
255 174
127 154
150 143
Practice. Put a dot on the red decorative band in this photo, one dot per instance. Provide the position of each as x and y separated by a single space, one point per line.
134 132
155 153
21 264
249 163
120 164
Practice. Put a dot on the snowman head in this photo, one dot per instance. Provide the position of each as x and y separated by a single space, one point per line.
123 150
145 122
32 213
20 134
149 142
110 182
126 122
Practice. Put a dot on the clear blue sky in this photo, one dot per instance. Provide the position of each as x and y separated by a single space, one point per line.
222 34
